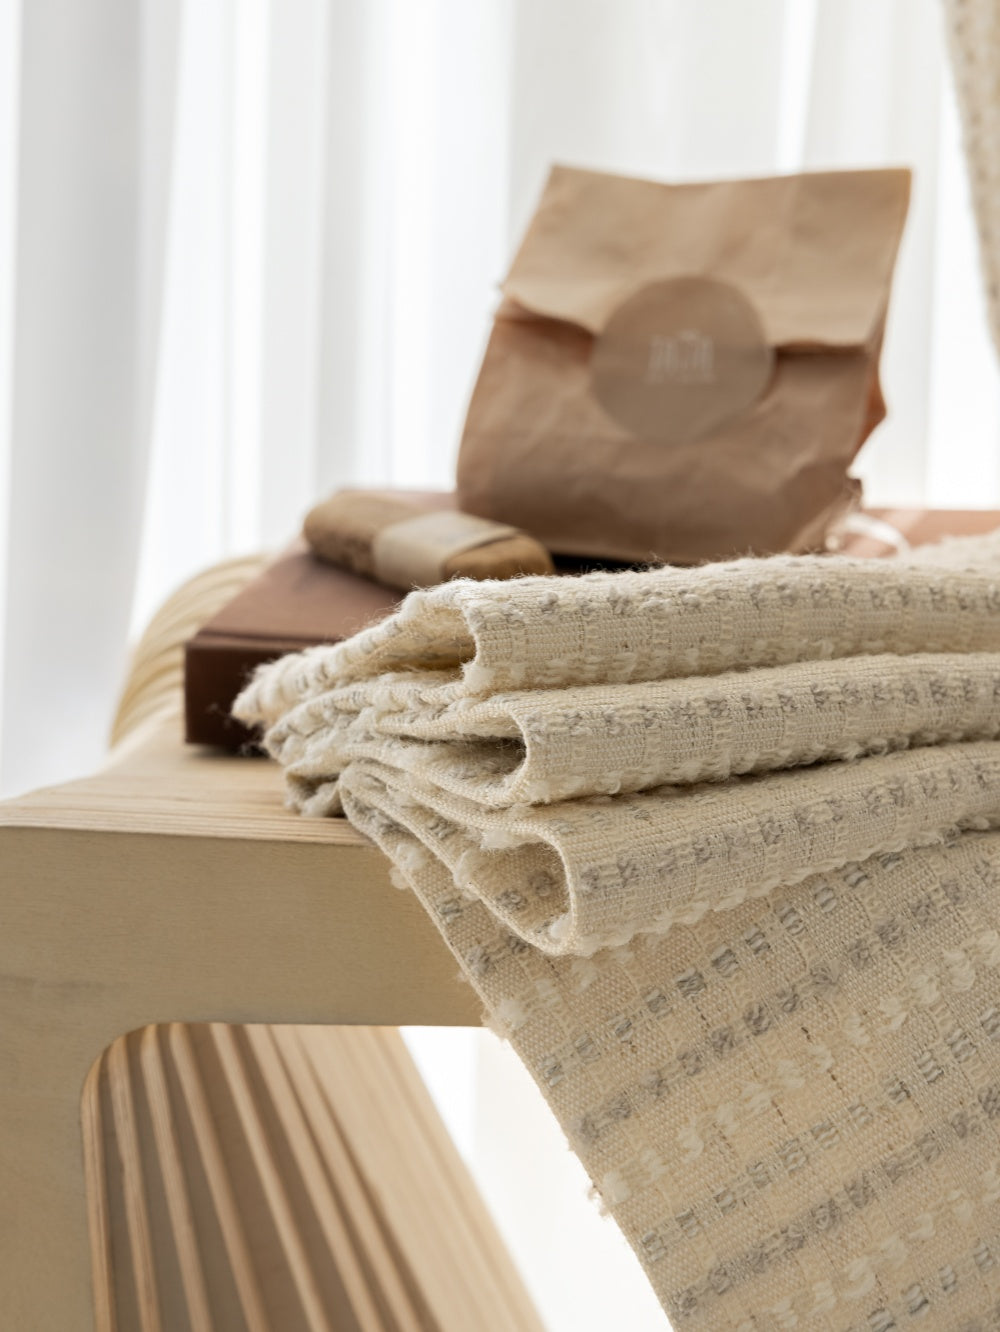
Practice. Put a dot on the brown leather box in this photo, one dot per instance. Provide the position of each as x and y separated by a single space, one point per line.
296 602
299 601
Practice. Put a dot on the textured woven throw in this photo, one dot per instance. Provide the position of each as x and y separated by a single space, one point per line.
717 849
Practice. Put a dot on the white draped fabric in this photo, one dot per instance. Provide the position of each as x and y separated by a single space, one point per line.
248 251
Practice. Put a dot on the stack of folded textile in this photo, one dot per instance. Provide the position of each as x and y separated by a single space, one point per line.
720 851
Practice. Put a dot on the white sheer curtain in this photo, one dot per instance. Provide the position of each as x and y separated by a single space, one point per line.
86 97
248 251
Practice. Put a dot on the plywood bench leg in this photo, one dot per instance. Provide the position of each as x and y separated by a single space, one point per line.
102 933
46 1049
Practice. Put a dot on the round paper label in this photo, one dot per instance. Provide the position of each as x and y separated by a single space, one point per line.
680 357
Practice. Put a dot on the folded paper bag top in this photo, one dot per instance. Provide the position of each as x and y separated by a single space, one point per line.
685 372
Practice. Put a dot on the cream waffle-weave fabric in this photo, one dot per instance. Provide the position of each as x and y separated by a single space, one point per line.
764 1007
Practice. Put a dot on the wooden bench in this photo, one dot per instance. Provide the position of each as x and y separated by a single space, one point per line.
170 887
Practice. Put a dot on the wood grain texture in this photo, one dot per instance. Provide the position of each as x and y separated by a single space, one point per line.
283 1179
154 783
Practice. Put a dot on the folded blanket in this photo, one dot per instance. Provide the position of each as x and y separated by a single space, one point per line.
537 746
611 628
593 873
765 1008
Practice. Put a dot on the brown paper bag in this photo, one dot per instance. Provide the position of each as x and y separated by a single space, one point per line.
685 372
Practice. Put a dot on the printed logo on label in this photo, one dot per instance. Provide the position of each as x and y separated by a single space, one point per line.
681 357
687 357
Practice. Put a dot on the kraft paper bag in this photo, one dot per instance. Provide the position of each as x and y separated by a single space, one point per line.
685 372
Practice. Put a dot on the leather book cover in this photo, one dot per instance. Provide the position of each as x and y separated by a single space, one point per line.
296 602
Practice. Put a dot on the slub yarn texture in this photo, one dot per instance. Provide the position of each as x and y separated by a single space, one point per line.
720 851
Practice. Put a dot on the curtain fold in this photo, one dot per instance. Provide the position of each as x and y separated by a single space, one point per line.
878 82
974 45
87 251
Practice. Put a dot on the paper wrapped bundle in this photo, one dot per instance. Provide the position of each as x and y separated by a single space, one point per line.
720 851
412 542
685 372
